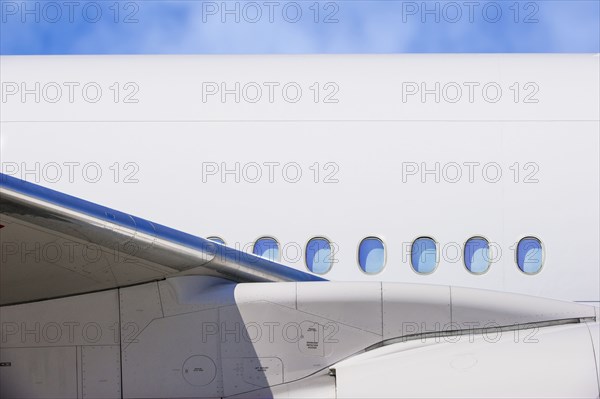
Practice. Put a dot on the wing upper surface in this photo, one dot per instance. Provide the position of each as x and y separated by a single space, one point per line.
54 244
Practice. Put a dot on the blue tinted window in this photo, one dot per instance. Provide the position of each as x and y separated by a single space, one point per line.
477 255
423 255
267 247
217 239
529 255
318 255
371 255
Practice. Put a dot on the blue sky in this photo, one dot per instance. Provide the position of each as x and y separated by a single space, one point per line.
301 26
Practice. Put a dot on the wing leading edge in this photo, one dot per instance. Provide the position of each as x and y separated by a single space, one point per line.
54 244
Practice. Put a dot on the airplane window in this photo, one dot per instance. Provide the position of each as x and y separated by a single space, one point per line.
477 255
371 255
267 247
217 239
424 255
318 255
529 255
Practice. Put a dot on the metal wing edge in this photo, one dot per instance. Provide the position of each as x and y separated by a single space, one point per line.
185 253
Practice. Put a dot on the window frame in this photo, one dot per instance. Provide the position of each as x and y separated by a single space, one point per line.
437 255
278 260
332 255
479 236
543 255
221 242
384 255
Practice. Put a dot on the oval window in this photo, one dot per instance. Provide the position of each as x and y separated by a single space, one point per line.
529 255
477 255
267 247
319 255
423 255
371 255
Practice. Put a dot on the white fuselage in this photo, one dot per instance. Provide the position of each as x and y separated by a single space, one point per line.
341 147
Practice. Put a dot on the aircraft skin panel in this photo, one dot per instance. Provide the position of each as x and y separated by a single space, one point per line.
319 386
554 363
365 303
100 371
429 310
595 335
204 337
38 263
34 373
62 348
493 307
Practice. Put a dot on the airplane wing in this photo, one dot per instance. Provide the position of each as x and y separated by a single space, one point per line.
54 245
